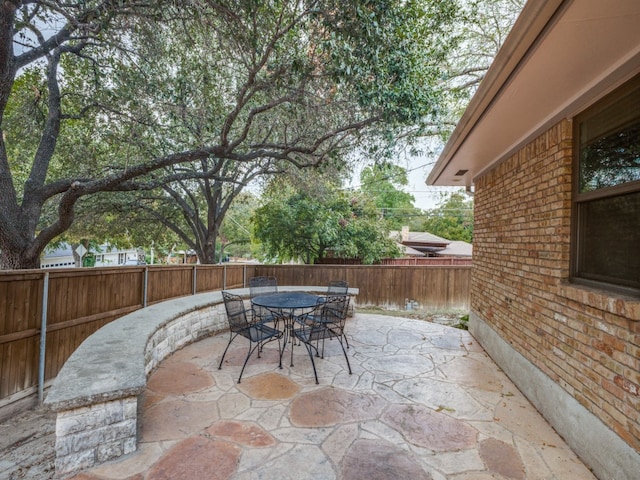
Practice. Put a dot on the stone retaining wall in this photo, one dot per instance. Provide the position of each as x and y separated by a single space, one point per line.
87 436
97 394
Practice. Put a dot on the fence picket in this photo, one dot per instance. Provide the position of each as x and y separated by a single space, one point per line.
63 307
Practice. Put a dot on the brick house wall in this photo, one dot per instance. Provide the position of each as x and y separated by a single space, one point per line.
585 340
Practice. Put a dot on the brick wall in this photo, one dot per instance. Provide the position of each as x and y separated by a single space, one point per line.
586 340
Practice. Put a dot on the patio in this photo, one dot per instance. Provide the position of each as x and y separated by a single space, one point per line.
424 402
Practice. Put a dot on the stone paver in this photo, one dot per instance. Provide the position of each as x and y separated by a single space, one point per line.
178 377
502 458
243 433
379 460
424 402
269 386
332 406
197 457
431 429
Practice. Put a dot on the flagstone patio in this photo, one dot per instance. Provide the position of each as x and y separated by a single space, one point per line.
424 402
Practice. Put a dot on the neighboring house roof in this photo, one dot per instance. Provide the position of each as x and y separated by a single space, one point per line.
425 238
421 243
108 248
64 250
410 252
457 248
407 237
560 57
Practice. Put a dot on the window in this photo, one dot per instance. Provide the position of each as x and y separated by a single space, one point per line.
606 199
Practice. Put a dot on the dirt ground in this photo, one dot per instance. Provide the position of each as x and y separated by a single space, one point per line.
451 319
27 445
27 440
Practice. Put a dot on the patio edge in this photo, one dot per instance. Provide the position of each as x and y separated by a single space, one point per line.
609 456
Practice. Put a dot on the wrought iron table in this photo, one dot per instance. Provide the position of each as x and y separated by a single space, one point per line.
287 306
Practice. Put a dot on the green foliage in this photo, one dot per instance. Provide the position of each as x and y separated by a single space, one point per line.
137 96
24 116
235 232
452 218
383 183
312 224
463 323
391 52
480 30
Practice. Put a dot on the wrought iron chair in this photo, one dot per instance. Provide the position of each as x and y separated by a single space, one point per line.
239 318
339 313
338 287
263 285
327 321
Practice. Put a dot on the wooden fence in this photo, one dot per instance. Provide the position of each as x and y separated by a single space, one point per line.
45 315
434 288
428 261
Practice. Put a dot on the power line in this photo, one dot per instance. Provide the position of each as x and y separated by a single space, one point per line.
439 209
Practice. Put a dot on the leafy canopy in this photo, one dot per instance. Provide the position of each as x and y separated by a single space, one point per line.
383 183
312 224
452 218
102 96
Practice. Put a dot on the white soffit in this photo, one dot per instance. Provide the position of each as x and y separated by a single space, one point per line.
560 57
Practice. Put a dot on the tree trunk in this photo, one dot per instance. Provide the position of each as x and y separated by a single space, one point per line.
11 260
208 255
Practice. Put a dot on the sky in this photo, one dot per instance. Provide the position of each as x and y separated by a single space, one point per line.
418 167
426 196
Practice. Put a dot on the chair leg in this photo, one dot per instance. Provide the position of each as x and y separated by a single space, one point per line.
345 355
280 352
251 349
313 363
232 337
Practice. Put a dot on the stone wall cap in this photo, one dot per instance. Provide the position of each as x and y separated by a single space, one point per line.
110 364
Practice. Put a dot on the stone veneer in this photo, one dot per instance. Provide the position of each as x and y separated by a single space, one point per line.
87 436
97 393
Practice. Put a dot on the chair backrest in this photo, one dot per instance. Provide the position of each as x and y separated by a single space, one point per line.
262 286
236 311
338 287
334 309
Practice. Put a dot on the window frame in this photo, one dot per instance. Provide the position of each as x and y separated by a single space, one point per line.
579 199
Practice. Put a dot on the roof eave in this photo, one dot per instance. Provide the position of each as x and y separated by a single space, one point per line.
588 47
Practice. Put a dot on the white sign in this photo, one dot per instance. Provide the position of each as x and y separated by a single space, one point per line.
80 250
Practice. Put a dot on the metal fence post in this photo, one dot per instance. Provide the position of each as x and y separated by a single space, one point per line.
195 279
43 337
224 277
145 285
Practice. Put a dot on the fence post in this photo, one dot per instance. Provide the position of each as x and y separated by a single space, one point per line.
195 279
224 277
43 337
145 285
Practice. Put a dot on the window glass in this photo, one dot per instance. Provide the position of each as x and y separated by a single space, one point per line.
611 160
610 240
610 145
606 243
